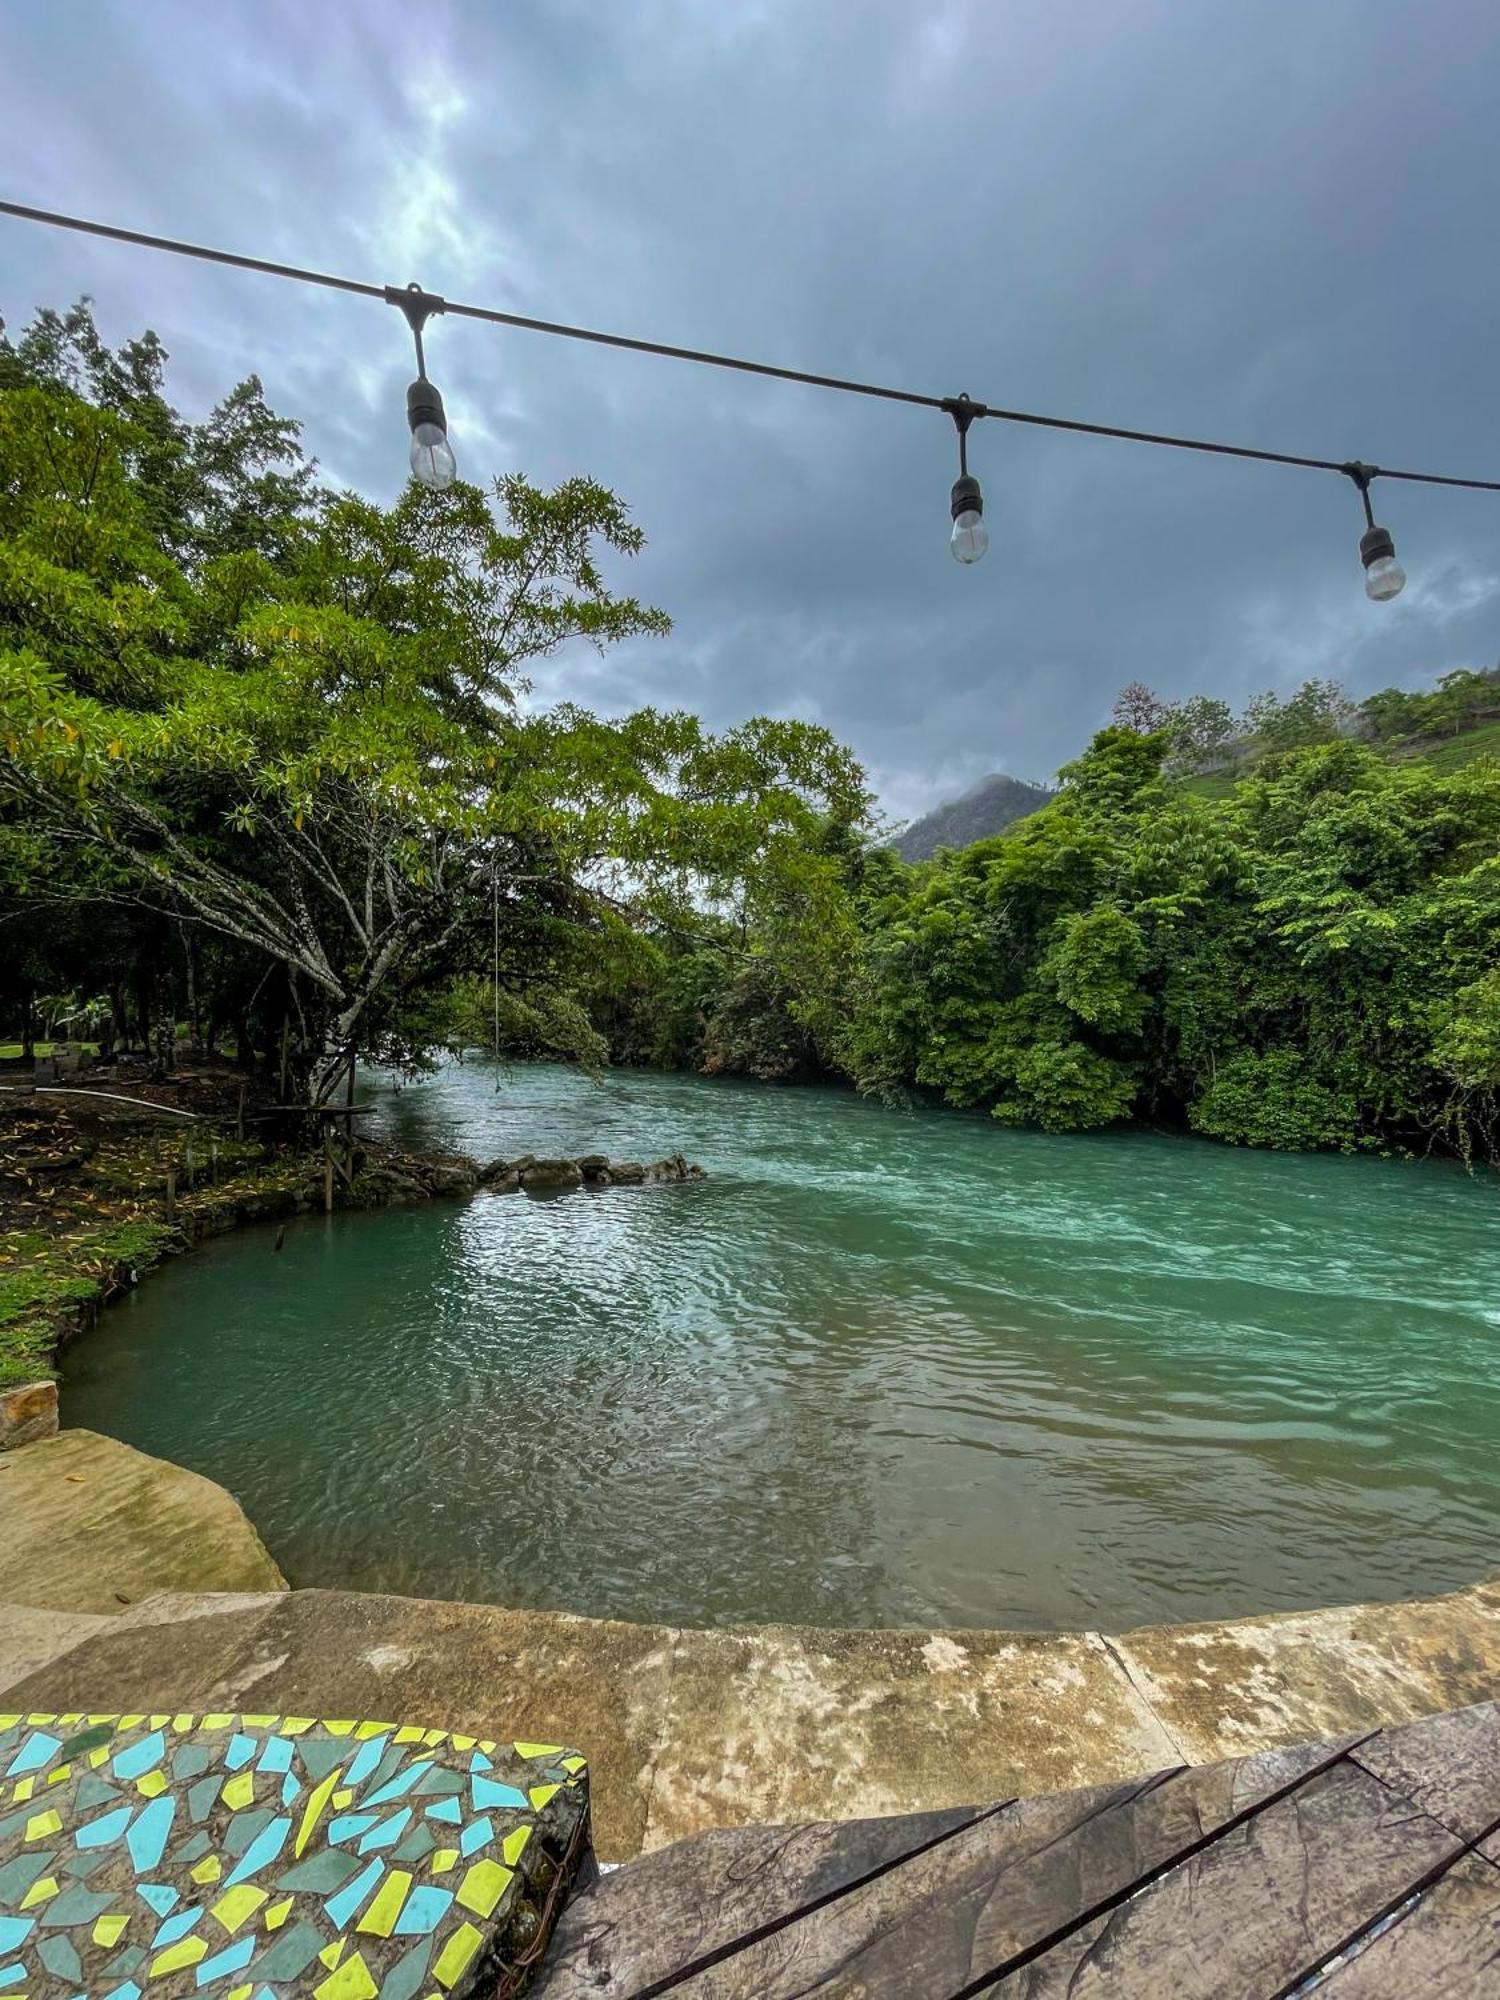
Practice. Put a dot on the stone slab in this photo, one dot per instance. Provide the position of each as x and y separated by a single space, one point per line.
1223 1690
792 1723
89 1524
30 1638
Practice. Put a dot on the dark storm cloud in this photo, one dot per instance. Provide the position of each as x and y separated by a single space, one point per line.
1266 223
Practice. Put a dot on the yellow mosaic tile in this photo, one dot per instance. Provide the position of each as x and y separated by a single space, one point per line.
352 1981
453 1960
242 1901
380 1919
239 1791
483 1886
186 1951
314 1812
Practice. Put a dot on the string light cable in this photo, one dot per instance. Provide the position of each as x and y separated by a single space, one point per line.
434 464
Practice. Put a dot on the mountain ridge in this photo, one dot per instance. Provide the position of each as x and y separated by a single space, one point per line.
996 802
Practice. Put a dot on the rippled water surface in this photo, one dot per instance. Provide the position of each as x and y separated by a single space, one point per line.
878 1369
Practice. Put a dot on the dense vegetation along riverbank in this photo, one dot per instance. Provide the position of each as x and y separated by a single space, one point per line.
1312 961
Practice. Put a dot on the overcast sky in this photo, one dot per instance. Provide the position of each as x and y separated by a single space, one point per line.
1272 223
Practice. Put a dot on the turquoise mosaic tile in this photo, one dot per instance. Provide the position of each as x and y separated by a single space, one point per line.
249 1857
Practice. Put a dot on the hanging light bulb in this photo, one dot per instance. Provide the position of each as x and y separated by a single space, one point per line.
970 537
1384 576
431 457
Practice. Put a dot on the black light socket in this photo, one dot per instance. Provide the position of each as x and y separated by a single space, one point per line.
425 406
1374 544
967 497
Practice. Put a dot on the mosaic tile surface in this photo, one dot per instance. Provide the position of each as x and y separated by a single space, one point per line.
146 1857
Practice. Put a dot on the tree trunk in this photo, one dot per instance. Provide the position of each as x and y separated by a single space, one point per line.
189 956
28 1027
143 985
328 1072
163 1033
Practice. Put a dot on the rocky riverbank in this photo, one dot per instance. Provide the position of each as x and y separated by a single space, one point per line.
530 1175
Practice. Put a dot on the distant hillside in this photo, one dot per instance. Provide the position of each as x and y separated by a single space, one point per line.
1445 753
989 807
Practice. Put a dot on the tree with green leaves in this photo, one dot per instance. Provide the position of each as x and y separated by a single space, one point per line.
312 742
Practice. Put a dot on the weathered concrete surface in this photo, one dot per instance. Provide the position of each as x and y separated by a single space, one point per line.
793 1723
30 1638
1224 1690
88 1524
687 1730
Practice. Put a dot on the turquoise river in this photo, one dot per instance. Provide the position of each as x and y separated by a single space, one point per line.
880 1368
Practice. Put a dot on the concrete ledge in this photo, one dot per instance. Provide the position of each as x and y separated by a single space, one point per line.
687 1730
1256 1683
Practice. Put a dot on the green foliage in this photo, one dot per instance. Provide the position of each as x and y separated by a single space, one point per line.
544 1024
1460 701
1467 1044
1311 962
1318 712
1271 1100
289 723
